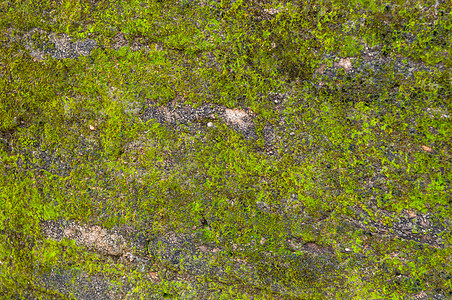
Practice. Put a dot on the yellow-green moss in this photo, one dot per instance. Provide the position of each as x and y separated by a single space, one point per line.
69 130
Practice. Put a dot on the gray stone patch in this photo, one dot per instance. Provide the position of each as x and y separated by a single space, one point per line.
239 119
52 229
96 238
370 68
39 43
407 226
182 252
83 286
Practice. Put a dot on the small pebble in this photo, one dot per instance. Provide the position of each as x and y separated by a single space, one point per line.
210 124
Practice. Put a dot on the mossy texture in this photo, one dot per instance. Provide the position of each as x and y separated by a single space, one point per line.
225 149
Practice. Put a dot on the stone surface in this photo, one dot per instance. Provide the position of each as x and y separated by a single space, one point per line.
59 46
239 119
187 253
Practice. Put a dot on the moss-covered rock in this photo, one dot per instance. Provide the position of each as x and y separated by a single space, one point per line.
233 150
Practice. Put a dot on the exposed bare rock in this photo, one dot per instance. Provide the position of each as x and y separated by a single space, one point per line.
369 68
236 117
96 238
180 251
83 286
239 119
408 226
124 244
185 253
52 229
41 43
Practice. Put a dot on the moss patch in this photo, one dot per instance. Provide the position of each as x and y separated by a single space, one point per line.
233 150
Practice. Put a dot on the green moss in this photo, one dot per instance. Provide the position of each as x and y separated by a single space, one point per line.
356 163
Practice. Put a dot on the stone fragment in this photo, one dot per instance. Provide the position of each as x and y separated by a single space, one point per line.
428 149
